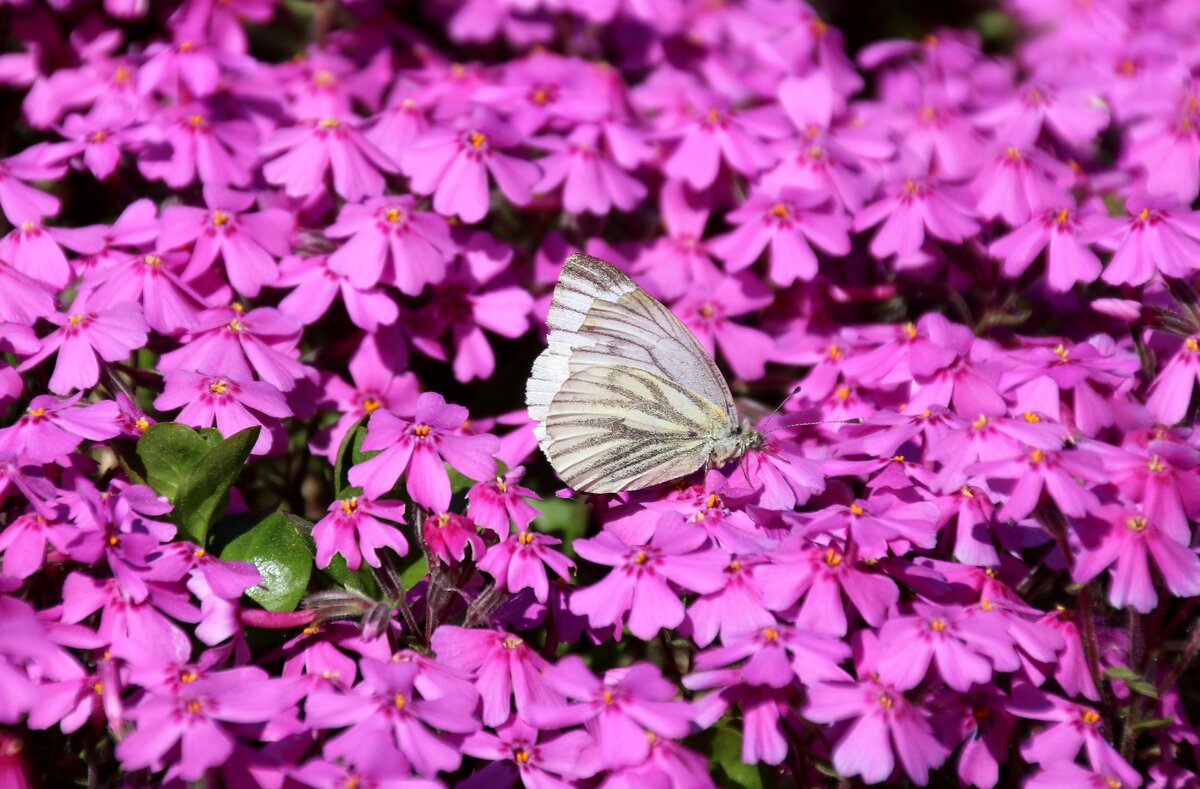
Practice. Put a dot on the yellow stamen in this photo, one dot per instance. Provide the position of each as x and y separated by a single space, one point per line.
477 139
220 218
1032 418
835 352
885 701
857 510
194 706
501 485
1062 353
323 78
399 701
370 404
218 387
713 115
195 120
1137 523
540 96
521 755
980 423
142 423
966 491
770 634
706 310
28 225
153 261
607 696
328 123
1061 216
421 431
640 558
910 329
1090 717
512 642
187 676
76 319
832 557
525 538
98 687
350 505
98 136
1037 456
781 211
393 215
36 412
712 501
1156 465
735 565
199 553
937 625
1013 152
842 393
1192 344
234 325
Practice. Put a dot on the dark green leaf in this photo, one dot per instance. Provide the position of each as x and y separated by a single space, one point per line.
360 580
1151 724
566 519
349 453
169 451
727 757
203 496
413 574
279 548
1142 688
1122 673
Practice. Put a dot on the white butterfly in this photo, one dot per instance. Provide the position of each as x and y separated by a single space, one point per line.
625 396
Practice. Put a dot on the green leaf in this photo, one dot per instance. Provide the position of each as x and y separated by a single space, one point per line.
1151 724
566 519
204 494
412 575
350 454
360 580
726 756
1123 673
1142 688
169 451
279 547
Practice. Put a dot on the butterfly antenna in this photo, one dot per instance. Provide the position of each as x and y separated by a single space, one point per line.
795 391
855 421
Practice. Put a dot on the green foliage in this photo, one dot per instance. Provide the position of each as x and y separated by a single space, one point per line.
280 546
725 761
349 454
195 470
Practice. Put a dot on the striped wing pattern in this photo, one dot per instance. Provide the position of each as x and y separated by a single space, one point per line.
622 376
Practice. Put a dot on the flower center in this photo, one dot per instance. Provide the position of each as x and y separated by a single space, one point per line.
399 701
187 676
1090 717
76 319
706 310
220 218
194 706
36 412
525 538
966 491
1137 523
99 136
781 211
885 701
607 696
512 642
937 625
832 557
857 510
1156 465
1143 215
1013 152
234 325
521 755
153 261
1032 418
1192 344
501 485
1062 353
421 431
393 215
640 558
323 78
735 565
328 123
195 120
98 687
842 393
1061 216
218 387
350 505
1037 456
981 713
477 139
370 404
142 423
199 553
770 634
980 423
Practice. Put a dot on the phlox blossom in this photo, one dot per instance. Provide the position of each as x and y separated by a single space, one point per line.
84 338
520 560
304 153
356 527
504 666
392 242
231 404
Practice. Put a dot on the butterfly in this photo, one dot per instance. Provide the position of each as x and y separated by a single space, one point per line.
624 395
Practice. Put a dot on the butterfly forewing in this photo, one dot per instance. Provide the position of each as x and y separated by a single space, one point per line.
624 396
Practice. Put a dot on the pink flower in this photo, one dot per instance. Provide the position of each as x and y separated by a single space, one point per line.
1068 259
592 180
418 447
447 536
718 132
914 207
85 337
387 230
218 151
735 607
1171 392
36 251
708 308
232 404
1159 236
1127 538
453 165
19 201
304 153
356 527
789 223
639 582
23 299
168 303
1072 113
624 705
682 256
497 503
187 66
51 427
813 657
1072 727
964 647
1017 183
247 243
1162 478
515 751
520 560
885 725
503 665
316 286
230 340
1167 149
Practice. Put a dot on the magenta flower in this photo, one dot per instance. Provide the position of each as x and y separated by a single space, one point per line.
624 705
520 561
789 223
881 523
515 752
963 647
98 138
591 178
36 251
356 527
1171 392
418 448
23 299
447 536
247 243
136 227
1072 113
316 286
1018 183
193 717
23 543
1057 473
497 503
19 201
682 256
387 230
1160 236
232 404
217 151
717 132
885 726
453 165
1126 538
638 584
84 338
304 153
913 207
1058 230
732 609
168 303
813 657
123 618
187 66
243 344
1167 149
503 665
1071 727
1162 478
51 428
708 308
980 721
391 700
941 137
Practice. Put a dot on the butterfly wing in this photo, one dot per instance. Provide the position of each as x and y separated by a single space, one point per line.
600 320
621 428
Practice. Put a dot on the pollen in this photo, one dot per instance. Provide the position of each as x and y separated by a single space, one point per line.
937 625
816 152
188 676
1156 465
1035 97
897 458
399 701
501 485
153 261
640 558
97 687
199 553
36 412
1013 152
443 520
885 701
607 696
1090 717
1062 353
910 329
512 642
1032 418
220 218
142 423
421 431
328 123
122 74
370 404
1143 215
832 557
539 96
843 393
234 325
521 756
393 215
857 510
1192 344
28 225
76 319
770 634
194 706
911 187
350 505
236 306
712 501
477 139
1037 456
114 540
706 310
734 566
1112 782
980 423
98 136
324 78
525 538
219 387
781 211
713 115
835 352
186 46
1137 523
966 491
1062 215
195 120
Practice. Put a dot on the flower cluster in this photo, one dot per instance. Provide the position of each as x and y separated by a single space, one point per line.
255 257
